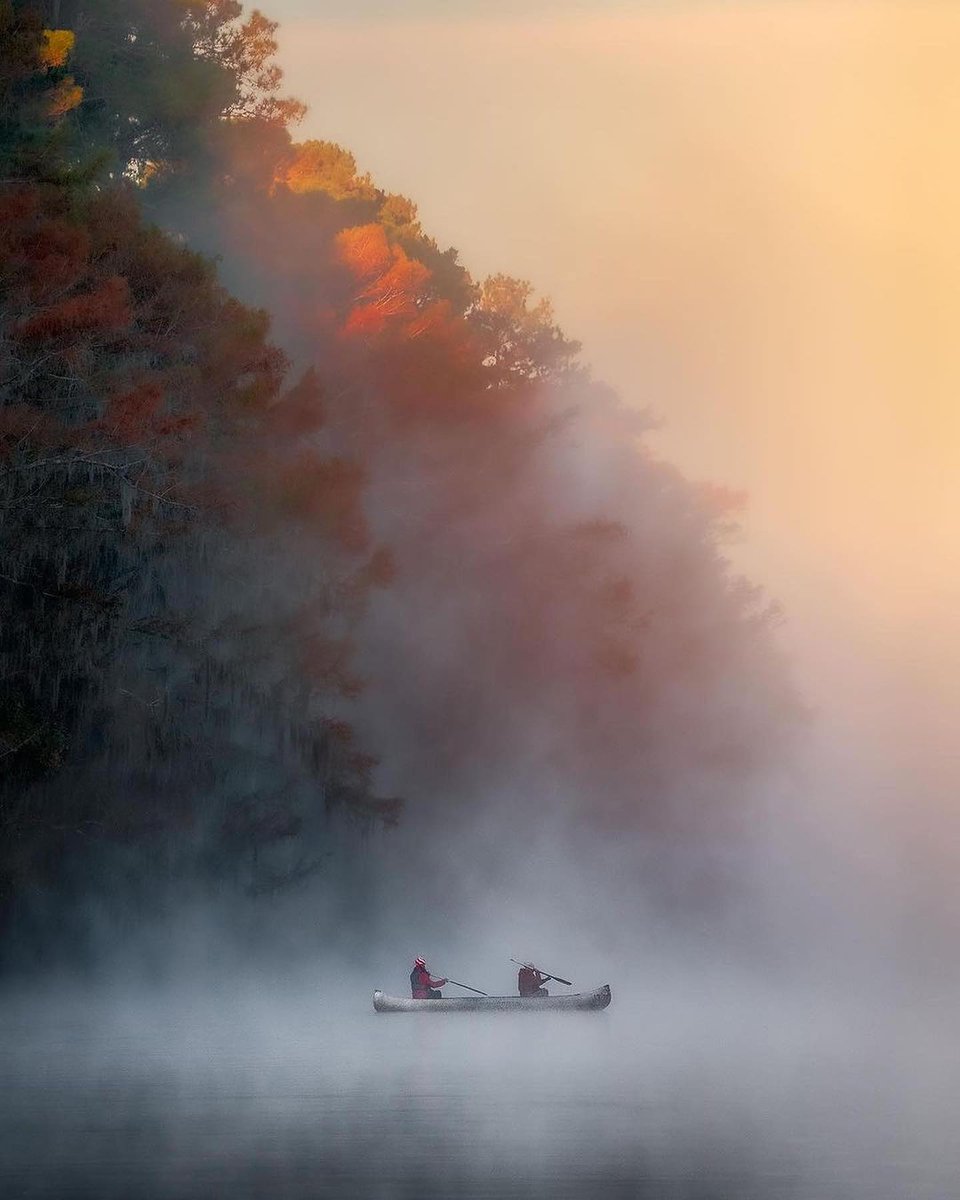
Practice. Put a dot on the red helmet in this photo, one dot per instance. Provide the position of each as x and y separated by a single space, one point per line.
418 962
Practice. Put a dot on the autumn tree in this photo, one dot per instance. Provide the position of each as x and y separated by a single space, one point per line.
518 337
184 560
161 77
316 166
198 515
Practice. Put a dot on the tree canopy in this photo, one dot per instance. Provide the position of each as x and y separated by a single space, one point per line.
330 484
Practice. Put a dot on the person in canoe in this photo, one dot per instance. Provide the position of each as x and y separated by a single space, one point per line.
530 982
422 987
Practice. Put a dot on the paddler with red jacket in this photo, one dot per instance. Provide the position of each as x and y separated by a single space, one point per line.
422 987
530 981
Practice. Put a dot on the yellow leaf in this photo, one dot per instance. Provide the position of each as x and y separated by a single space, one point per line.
56 48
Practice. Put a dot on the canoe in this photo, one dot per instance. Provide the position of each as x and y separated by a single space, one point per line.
577 1002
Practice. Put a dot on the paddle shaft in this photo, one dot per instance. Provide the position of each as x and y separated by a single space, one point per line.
466 985
543 973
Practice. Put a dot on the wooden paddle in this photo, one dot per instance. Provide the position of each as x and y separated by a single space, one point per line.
543 973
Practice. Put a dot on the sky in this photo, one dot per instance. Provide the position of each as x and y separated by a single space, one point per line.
748 213
380 11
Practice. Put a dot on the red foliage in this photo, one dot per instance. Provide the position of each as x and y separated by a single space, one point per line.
105 309
392 285
130 417
419 350
40 256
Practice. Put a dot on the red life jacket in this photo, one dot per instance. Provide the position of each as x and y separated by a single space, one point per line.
420 983
528 981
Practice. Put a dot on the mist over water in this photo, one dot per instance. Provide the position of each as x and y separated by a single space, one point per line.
764 1041
711 1084
782 1024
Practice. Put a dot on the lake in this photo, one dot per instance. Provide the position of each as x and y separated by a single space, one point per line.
260 1091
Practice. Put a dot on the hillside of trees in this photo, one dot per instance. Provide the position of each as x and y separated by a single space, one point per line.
287 494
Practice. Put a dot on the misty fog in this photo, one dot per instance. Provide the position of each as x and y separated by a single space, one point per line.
703 1079
771 1035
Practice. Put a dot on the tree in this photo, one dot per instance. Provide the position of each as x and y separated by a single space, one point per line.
325 167
519 340
160 78
195 533
183 558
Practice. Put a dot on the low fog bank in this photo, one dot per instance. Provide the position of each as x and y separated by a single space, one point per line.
696 1083
809 896
779 1028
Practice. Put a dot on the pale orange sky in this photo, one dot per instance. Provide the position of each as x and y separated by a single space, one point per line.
748 212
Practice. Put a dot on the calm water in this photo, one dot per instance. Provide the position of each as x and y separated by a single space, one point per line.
691 1097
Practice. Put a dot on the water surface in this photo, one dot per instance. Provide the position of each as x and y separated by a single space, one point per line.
178 1096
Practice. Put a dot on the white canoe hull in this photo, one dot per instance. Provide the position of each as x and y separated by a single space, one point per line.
577 1002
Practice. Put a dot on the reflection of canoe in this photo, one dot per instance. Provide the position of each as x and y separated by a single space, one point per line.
579 1001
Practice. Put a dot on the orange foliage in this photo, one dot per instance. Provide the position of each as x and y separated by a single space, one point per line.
56 47
324 167
392 284
420 350
44 256
137 416
63 98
